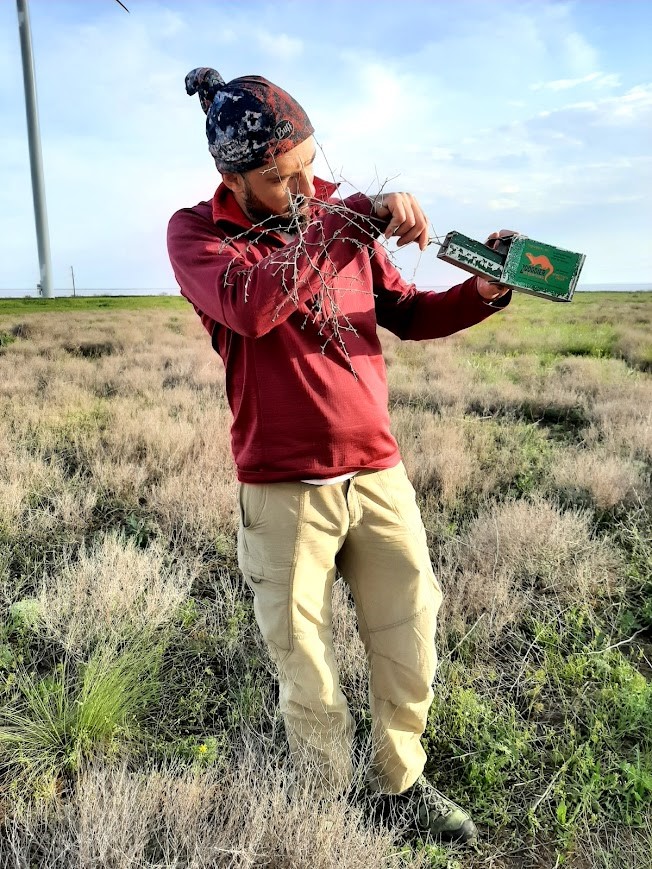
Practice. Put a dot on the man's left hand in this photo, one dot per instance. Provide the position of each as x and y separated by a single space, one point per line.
408 221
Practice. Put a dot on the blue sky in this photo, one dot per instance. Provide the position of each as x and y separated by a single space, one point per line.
534 116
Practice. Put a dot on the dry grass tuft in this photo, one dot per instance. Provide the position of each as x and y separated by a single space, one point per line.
634 346
624 423
602 847
198 496
110 591
242 816
36 495
517 555
21 330
436 453
430 375
606 478
91 349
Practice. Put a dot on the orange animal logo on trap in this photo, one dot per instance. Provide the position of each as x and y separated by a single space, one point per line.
539 263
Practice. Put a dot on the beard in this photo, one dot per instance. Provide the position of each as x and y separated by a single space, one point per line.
290 222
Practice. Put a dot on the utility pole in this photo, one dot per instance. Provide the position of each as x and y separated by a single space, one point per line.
72 272
35 160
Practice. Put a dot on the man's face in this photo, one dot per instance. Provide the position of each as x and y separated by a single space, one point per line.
276 194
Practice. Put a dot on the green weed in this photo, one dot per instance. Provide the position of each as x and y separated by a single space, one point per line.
6 338
53 722
633 532
200 751
125 515
564 741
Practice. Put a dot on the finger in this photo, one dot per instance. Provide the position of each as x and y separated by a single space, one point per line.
423 239
389 203
418 232
500 289
491 290
422 222
406 230
397 210
500 235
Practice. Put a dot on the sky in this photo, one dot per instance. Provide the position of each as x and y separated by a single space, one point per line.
532 115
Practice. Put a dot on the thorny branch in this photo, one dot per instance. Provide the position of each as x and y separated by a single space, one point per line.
325 312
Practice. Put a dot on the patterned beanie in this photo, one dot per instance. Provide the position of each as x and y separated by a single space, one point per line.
248 121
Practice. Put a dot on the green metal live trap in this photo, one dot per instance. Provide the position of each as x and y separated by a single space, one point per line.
520 262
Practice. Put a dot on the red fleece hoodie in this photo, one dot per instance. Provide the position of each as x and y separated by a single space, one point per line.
299 411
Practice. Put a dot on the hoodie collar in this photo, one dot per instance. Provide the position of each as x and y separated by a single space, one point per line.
225 206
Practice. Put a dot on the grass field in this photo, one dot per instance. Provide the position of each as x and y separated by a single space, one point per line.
138 724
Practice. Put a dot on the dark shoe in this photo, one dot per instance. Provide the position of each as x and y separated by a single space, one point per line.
424 810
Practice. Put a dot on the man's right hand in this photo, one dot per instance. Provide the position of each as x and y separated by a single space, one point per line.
407 220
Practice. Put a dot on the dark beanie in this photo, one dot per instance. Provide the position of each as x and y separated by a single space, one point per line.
248 121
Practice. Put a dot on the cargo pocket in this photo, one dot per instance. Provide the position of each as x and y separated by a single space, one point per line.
268 540
273 611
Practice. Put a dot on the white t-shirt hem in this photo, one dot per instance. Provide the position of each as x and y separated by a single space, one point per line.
329 481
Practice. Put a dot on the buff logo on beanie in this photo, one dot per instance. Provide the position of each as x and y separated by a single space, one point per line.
248 121
283 130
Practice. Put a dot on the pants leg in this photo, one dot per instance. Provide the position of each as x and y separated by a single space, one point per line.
386 562
289 536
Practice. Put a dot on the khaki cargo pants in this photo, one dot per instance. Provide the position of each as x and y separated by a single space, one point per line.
292 538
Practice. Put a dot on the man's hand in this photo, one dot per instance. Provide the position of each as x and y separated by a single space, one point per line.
491 290
496 238
408 221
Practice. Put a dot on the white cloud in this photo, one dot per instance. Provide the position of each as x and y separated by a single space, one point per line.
597 79
630 105
633 107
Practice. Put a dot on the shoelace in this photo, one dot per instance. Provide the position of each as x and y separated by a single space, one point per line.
432 800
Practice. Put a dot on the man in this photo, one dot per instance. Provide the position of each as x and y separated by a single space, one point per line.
291 285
